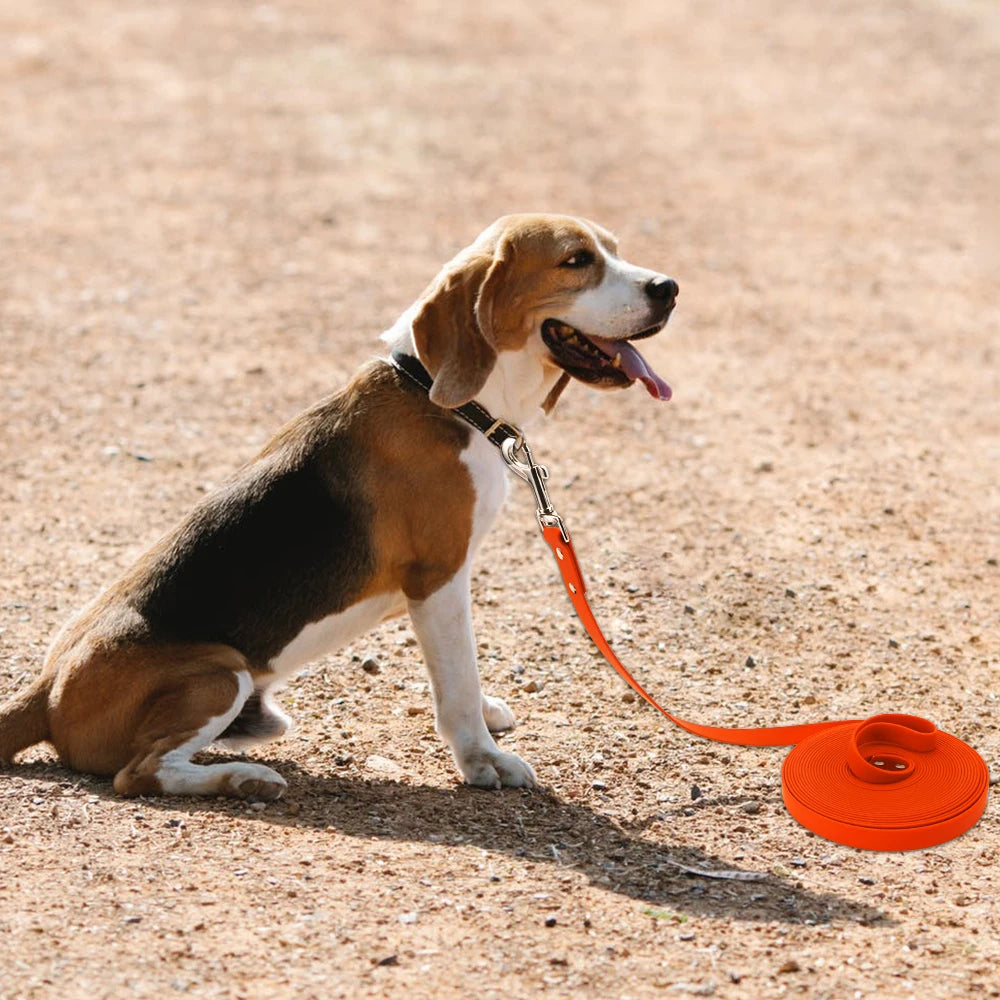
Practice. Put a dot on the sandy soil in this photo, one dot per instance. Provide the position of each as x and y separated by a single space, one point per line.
209 211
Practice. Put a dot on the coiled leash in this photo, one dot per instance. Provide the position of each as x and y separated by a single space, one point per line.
888 783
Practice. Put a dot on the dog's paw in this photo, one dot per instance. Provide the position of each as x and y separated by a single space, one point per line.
495 769
255 781
497 715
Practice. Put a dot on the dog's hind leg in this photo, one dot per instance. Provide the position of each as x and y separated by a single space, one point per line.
187 713
179 724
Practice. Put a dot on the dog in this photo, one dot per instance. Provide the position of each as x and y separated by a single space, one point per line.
371 503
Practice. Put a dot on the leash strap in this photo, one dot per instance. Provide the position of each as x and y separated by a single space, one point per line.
891 782
888 783
572 575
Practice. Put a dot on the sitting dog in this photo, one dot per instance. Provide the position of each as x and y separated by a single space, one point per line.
371 503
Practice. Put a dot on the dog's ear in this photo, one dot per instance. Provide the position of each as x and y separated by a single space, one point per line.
453 328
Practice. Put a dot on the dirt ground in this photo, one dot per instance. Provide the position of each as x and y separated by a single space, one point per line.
208 213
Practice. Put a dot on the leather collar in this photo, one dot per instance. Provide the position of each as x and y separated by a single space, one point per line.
496 431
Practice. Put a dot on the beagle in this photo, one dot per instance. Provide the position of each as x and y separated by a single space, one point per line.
371 503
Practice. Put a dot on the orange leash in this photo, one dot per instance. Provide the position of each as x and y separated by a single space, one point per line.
887 783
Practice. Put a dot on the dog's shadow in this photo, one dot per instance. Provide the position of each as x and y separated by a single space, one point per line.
538 826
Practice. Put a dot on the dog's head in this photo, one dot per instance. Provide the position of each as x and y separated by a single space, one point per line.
552 288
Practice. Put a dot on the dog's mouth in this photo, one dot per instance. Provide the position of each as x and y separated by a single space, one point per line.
601 360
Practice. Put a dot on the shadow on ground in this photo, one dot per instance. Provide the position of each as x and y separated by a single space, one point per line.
533 825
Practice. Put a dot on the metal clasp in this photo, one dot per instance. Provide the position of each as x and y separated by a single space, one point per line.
535 476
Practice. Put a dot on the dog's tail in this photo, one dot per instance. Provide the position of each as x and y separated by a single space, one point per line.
24 719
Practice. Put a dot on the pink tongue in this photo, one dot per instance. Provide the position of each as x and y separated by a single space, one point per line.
634 365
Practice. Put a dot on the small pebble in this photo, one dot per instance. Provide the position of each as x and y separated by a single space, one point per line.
751 807
382 765
370 665
532 686
693 989
695 792
893 644
790 966
550 921
750 662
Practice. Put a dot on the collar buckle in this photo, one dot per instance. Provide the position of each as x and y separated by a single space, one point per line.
500 432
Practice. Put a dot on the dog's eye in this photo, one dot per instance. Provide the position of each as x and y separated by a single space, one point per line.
582 258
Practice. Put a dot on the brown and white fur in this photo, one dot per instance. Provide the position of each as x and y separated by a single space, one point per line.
371 503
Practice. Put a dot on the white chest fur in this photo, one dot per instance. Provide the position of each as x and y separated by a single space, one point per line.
489 481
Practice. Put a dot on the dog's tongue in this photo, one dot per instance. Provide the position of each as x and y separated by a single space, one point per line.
634 365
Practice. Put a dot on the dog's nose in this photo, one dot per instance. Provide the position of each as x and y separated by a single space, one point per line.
662 289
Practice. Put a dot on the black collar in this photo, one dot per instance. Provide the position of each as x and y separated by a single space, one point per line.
496 431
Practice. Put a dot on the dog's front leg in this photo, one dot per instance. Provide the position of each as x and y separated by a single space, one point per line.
443 623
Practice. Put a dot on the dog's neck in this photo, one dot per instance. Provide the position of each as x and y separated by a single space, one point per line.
518 386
